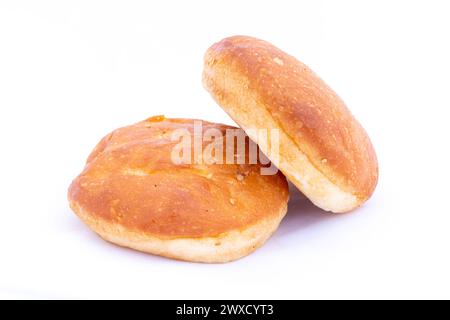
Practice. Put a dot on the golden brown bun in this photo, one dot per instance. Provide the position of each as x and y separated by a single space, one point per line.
132 194
324 150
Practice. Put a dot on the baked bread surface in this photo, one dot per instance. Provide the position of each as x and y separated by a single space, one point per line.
132 194
323 149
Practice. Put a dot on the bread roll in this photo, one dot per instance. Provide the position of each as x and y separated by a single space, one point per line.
323 149
132 194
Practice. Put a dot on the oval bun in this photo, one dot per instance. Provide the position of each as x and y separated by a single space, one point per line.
132 194
323 149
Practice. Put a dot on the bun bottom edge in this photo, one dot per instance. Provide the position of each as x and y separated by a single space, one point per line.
226 247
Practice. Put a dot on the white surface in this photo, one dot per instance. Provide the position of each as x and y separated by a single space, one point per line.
71 71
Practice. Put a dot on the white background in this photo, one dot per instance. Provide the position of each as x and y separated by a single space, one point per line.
71 71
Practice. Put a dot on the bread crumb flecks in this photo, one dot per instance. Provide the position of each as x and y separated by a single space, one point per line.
278 61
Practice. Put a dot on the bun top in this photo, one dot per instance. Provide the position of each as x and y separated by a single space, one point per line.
304 107
130 179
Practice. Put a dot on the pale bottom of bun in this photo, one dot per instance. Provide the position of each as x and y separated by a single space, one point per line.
242 105
227 247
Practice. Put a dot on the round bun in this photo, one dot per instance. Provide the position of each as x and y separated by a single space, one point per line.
323 149
132 194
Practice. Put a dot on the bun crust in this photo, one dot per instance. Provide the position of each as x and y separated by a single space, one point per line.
323 149
132 194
